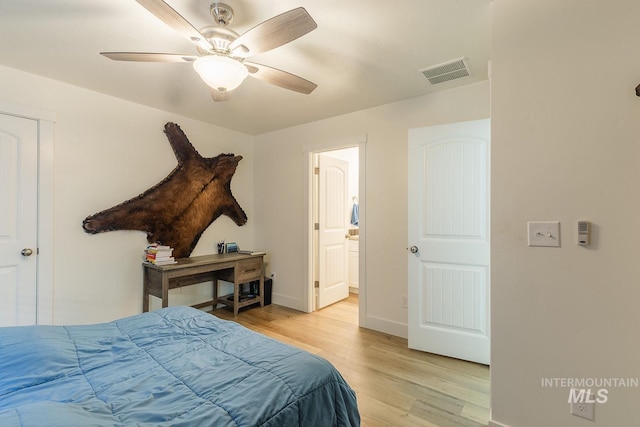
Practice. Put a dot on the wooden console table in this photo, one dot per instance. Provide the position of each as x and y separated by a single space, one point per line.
233 267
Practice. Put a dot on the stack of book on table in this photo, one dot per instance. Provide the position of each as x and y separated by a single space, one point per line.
159 254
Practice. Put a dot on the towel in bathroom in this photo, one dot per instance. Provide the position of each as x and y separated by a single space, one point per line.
355 214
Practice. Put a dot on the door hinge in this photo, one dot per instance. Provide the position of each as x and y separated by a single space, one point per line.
316 226
316 284
316 170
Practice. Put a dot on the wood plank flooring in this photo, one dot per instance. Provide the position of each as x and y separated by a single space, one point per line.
395 386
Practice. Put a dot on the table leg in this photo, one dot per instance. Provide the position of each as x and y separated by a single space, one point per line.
145 290
215 291
262 290
236 292
165 291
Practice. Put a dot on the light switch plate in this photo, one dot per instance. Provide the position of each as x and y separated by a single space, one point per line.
544 233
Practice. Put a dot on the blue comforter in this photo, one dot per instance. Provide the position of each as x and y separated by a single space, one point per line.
178 366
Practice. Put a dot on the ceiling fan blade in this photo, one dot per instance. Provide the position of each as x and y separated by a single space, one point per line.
274 32
280 78
221 96
148 57
169 16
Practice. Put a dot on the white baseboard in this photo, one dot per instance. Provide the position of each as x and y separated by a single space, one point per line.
387 326
496 424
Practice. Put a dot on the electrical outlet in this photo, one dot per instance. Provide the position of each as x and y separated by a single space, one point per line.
585 410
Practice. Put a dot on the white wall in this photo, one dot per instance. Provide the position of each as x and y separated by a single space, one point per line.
281 195
566 146
106 151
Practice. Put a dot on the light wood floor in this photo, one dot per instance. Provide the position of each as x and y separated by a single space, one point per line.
395 386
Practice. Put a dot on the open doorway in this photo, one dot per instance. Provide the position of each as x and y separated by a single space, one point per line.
336 212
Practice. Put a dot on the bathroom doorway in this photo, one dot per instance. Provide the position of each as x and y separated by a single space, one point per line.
336 223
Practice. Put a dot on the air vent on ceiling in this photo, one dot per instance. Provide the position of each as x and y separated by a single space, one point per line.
447 71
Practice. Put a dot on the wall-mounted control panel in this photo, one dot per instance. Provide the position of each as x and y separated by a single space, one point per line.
544 233
584 233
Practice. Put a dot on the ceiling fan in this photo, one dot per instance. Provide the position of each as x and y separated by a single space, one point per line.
222 53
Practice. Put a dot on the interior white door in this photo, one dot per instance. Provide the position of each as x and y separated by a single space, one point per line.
333 219
18 220
449 240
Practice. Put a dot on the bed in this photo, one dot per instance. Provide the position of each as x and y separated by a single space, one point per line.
173 367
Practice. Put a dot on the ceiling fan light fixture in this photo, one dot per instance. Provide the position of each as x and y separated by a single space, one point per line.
220 72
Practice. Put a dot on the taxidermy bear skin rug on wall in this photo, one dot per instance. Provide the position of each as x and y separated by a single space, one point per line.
177 210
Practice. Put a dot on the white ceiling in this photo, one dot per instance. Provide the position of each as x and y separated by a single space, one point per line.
364 53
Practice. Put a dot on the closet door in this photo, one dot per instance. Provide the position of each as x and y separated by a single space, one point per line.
449 240
18 220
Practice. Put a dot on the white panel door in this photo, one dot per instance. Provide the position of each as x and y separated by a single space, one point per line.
18 220
333 219
449 237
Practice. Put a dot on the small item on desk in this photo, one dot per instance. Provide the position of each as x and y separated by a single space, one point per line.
231 247
221 247
246 252
159 254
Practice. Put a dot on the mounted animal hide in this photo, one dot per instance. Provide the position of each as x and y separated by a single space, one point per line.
176 211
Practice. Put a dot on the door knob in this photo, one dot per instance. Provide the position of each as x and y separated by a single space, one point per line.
414 249
26 252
